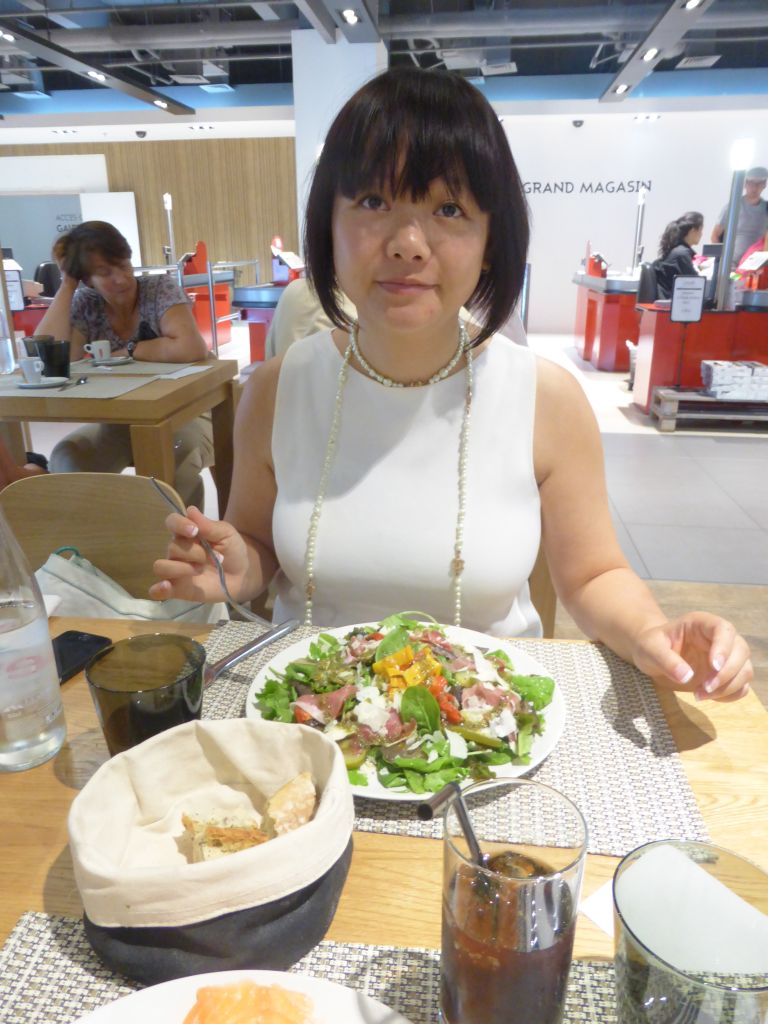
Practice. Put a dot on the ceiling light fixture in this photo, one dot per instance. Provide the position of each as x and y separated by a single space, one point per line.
650 55
7 37
160 103
621 89
691 5
97 76
351 17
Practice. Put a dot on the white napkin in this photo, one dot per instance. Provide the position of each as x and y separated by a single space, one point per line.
690 919
52 602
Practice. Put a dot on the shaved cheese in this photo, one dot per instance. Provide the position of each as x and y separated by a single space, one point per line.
503 724
372 715
457 745
372 694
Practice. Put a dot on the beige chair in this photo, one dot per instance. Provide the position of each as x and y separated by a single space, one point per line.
115 521
543 593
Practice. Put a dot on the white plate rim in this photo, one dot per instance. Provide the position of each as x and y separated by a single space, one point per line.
47 382
170 1001
523 662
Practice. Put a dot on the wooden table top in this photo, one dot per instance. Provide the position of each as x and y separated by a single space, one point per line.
392 894
154 401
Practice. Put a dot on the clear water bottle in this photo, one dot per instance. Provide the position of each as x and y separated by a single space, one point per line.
32 727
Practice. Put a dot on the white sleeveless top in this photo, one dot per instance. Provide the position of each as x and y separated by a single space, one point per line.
386 532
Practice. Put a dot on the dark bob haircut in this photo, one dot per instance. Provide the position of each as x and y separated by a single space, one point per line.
74 251
399 132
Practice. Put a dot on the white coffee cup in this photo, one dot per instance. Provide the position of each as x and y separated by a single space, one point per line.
100 350
32 368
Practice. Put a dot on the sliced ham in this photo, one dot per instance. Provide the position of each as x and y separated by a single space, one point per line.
326 707
479 693
462 662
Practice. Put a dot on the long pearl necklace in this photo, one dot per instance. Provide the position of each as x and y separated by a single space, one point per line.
388 382
457 562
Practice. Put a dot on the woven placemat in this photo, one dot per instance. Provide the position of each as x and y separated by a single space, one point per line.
50 975
616 759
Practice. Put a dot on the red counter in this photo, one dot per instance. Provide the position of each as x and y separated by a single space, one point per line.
671 354
605 321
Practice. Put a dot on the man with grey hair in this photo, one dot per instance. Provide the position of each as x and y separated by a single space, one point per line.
752 222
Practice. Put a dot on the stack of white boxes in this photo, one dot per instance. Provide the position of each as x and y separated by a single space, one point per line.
737 381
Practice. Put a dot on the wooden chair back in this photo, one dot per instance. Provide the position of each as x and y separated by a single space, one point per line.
543 593
116 521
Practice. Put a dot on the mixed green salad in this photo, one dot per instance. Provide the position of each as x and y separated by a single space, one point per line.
409 706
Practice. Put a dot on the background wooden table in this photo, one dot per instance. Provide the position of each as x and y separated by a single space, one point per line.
392 895
154 412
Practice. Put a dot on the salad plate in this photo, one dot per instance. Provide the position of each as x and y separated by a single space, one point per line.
365 781
171 1002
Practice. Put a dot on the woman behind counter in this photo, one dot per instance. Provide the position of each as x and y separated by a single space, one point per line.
676 252
147 318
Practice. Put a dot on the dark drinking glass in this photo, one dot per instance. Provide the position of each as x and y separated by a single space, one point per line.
30 343
508 925
55 356
144 685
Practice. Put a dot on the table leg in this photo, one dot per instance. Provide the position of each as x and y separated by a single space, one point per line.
223 420
16 439
152 447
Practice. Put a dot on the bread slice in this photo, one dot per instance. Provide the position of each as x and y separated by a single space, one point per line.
291 806
222 834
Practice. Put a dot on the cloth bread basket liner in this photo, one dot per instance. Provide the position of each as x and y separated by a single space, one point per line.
151 913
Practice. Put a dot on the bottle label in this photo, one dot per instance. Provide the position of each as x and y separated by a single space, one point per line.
28 676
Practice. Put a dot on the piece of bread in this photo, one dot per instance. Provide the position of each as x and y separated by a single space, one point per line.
222 834
291 806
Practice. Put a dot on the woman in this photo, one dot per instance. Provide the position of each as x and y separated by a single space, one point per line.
395 463
676 252
147 318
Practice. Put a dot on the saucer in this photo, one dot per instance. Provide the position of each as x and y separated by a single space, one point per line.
46 382
112 361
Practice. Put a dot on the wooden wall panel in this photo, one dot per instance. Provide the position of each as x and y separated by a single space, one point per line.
234 194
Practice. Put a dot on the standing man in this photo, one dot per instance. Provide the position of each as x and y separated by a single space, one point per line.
752 222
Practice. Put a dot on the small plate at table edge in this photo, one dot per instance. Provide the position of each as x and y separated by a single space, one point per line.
524 664
170 1001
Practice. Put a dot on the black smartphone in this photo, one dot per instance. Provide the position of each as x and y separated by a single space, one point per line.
73 650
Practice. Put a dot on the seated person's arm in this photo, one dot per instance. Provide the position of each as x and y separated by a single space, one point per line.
717 233
58 320
180 341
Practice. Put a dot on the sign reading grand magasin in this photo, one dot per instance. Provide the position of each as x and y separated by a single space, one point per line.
585 187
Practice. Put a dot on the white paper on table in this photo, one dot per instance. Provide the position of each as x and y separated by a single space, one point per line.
184 372
599 907
690 919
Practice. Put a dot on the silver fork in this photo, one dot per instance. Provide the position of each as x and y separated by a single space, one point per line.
239 608
73 383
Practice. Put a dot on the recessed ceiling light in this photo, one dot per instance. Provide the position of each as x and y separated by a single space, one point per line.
621 89
97 76
691 5
351 17
7 37
160 103
650 55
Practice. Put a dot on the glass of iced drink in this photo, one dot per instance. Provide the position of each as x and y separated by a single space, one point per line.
508 924
691 936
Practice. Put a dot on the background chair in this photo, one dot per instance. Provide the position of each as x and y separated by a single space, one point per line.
49 276
116 521
543 594
647 288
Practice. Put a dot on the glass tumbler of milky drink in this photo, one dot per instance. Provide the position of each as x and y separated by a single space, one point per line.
691 936
508 923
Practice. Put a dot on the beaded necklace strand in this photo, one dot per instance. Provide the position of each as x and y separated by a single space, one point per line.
457 562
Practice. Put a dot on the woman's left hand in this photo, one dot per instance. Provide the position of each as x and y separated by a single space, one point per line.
698 652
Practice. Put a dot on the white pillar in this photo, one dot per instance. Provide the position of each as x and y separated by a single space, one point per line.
324 77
